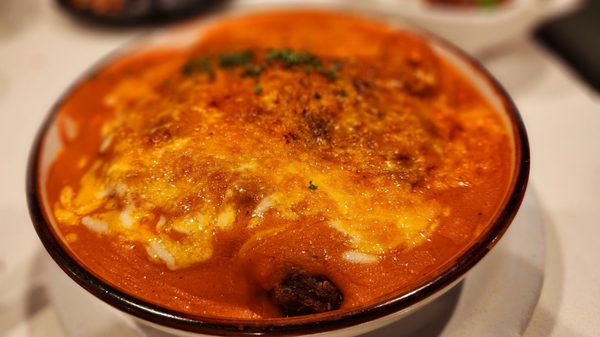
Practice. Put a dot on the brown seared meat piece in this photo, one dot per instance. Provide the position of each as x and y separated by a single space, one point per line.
302 293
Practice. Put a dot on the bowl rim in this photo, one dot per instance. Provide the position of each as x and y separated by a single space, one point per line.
310 324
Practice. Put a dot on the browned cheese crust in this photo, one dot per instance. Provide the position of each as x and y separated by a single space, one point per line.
200 178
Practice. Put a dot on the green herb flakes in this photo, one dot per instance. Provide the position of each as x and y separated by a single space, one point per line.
291 57
198 64
252 70
234 59
251 67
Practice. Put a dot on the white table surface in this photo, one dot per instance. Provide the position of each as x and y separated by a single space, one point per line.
42 51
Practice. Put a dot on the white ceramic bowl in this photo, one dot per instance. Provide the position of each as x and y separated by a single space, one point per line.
344 323
475 29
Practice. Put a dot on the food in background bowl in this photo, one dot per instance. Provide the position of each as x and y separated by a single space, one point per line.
284 164
468 3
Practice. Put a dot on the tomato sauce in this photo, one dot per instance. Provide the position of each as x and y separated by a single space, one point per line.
197 178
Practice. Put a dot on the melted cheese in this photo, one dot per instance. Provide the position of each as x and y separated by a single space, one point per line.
374 166
191 164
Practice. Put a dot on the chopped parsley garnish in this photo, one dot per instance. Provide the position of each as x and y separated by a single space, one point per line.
258 89
329 73
198 64
291 57
308 61
250 67
234 59
312 186
252 70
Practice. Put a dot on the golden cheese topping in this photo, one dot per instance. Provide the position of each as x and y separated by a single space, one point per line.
313 141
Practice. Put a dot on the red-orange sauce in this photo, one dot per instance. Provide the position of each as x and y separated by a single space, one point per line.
307 140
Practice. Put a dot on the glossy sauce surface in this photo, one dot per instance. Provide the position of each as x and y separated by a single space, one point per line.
198 178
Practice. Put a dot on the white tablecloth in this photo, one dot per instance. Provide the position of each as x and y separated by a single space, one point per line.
42 51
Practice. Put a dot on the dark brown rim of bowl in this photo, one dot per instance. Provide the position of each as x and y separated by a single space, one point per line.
286 326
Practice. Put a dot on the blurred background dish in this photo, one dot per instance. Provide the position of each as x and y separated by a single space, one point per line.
474 25
135 12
